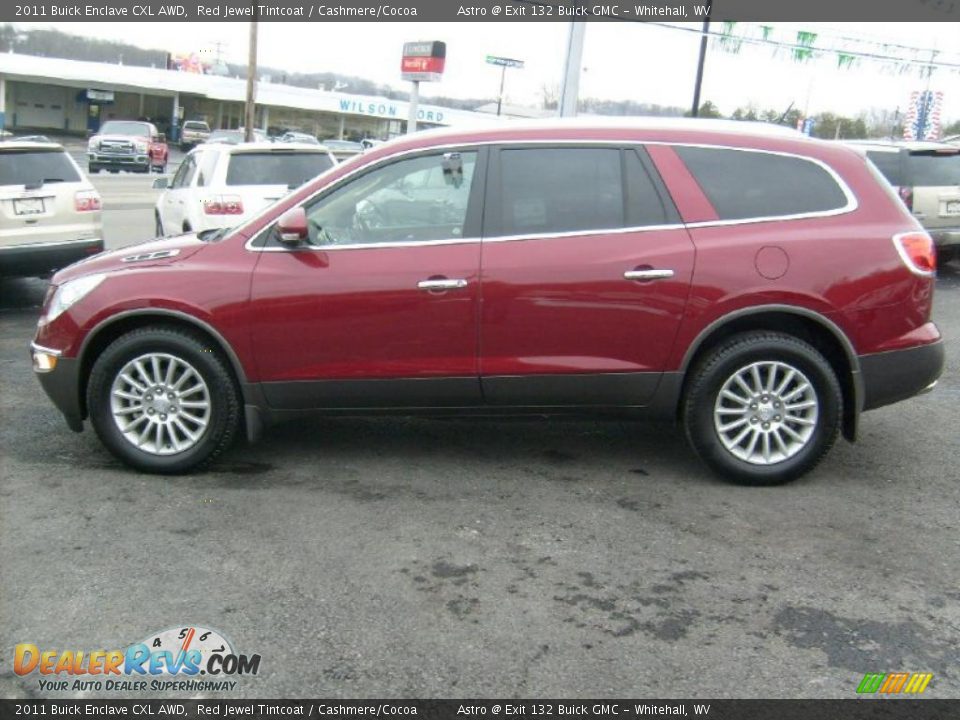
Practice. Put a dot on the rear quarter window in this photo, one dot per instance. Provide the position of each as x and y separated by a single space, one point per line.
276 168
29 167
744 184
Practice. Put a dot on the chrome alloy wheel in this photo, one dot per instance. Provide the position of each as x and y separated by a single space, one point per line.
160 404
766 412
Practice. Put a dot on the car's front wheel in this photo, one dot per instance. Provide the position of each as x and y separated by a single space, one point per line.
762 408
162 400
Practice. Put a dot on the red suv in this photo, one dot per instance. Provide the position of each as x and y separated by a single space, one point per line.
759 287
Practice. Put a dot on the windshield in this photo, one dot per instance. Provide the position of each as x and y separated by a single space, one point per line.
115 127
934 169
276 168
33 167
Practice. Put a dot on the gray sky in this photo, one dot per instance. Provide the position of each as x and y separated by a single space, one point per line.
634 61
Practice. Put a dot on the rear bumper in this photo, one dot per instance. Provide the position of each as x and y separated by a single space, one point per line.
44 258
893 376
946 237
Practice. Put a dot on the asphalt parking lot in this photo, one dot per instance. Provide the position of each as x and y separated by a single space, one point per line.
423 558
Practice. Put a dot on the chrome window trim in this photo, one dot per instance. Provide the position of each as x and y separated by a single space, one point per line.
851 205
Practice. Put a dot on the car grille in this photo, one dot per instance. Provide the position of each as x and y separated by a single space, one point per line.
116 147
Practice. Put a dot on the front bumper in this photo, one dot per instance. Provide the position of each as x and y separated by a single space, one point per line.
893 376
96 160
61 383
43 258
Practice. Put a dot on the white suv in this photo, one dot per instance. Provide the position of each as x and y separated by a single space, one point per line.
221 185
49 212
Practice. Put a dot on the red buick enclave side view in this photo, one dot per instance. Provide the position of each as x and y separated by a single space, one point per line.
758 287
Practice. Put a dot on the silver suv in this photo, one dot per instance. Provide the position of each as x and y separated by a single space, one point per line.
926 175
49 212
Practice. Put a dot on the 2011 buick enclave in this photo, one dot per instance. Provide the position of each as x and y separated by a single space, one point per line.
759 287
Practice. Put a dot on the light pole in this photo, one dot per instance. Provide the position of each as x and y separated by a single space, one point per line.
570 89
695 111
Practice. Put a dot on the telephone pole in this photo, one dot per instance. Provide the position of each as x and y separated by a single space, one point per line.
250 109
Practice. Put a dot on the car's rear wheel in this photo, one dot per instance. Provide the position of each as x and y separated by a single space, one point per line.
162 400
762 408
93 169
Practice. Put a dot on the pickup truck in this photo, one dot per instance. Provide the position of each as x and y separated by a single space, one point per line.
127 145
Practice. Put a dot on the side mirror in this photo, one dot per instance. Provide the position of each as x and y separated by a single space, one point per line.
292 227
161 183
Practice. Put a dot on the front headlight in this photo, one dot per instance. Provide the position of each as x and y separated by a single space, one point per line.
91 145
141 146
69 294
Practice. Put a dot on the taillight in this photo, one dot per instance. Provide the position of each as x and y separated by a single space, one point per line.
223 205
906 194
86 201
917 251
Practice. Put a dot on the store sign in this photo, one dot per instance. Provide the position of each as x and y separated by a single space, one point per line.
423 61
101 95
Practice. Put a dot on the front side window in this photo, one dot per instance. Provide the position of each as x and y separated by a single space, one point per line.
744 184
559 190
185 172
422 199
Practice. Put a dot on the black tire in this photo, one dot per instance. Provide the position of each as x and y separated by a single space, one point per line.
220 391
945 255
93 169
771 350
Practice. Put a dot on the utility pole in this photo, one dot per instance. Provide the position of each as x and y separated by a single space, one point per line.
503 77
703 57
570 89
250 109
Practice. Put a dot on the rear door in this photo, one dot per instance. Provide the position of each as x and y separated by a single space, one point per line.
585 273
173 202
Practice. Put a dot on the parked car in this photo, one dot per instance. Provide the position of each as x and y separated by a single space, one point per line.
127 145
223 185
49 211
926 175
762 289
299 137
193 133
235 137
343 149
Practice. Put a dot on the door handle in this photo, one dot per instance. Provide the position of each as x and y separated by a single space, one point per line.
435 284
648 274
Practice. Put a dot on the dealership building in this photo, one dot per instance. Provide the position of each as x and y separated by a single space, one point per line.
75 97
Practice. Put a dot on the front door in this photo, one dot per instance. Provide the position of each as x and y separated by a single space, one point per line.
586 270
379 309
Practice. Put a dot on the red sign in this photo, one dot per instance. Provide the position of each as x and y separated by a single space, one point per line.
422 65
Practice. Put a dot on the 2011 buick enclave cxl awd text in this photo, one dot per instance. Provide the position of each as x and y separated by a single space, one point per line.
760 288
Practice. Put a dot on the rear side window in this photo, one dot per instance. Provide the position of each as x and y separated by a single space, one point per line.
30 167
749 184
276 168
557 190
888 163
208 162
934 169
